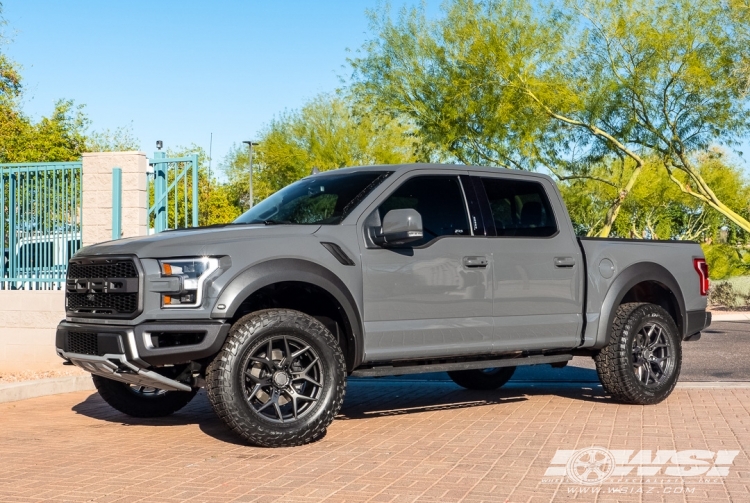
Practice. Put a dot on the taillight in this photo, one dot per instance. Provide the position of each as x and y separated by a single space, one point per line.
701 268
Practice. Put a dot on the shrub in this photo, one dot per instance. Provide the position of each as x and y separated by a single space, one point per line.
728 293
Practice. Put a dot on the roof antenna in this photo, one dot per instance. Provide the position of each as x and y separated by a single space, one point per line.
315 170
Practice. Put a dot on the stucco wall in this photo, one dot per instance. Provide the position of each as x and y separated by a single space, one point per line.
97 194
27 329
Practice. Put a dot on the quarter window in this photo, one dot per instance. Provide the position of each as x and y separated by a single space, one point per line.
440 202
519 208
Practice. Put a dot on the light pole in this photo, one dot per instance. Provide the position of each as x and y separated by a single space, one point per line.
251 144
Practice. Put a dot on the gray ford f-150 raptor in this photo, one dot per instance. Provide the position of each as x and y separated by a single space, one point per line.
372 271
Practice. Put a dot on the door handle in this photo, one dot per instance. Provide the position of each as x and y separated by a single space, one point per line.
565 261
475 262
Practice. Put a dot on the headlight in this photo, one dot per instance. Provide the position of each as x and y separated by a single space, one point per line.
193 272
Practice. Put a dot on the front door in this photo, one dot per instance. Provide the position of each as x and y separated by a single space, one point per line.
434 297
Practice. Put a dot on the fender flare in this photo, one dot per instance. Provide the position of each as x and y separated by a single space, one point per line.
273 271
627 279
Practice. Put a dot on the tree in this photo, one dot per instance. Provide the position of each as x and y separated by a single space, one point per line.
326 133
656 208
120 139
567 85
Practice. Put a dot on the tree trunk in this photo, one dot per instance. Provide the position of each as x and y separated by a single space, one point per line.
614 209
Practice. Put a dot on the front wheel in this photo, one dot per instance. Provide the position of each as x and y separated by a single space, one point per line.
642 361
141 401
482 379
279 380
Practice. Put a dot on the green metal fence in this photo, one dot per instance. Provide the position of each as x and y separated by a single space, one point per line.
172 192
40 223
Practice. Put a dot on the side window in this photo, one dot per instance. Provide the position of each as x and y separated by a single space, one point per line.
438 199
519 208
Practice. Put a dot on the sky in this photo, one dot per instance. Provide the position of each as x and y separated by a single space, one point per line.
178 71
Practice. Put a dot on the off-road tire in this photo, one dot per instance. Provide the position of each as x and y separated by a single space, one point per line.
226 379
615 362
128 400
482 379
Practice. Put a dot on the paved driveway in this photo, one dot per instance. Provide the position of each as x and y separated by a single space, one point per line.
402 440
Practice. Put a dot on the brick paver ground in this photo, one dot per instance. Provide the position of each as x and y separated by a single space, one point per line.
396 441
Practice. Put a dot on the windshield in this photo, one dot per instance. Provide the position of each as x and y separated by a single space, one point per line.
317 200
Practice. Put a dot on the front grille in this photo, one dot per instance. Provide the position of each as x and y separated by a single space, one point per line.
83 343
102 287
121 269
103 303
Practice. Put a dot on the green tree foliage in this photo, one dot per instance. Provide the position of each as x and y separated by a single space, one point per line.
656 208
725 261
327 133
120 139
568 85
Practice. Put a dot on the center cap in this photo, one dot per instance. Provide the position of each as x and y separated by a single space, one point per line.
280 379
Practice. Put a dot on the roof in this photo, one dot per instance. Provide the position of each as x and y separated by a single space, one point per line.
433 167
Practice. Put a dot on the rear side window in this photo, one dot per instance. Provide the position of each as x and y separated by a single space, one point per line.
440 202
519 208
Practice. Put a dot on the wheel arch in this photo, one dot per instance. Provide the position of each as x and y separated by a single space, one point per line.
261 278
641 282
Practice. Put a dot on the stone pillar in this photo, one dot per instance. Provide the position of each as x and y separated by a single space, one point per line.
97 195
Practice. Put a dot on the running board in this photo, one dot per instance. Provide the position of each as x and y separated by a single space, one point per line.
389 370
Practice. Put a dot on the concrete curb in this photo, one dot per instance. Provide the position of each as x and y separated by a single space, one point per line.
15 391
730 316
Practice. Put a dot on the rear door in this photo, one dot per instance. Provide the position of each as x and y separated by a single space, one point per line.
538 268
433 297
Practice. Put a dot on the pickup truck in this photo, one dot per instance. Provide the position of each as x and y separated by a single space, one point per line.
373 271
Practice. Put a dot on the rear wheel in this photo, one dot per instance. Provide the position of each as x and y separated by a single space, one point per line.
141 401
279 380
482 379
642 362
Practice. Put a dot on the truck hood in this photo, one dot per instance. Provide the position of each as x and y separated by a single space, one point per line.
201 241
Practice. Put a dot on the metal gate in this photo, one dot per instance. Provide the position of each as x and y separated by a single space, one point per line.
40 223
172 192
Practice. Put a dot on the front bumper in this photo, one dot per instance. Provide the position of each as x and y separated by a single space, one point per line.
126 353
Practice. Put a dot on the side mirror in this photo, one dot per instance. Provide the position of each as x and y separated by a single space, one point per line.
399 227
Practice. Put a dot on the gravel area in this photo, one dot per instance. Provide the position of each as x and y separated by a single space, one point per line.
28 375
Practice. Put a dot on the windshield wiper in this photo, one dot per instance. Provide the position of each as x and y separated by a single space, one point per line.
277 222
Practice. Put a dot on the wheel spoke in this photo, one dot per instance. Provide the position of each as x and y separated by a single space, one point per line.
306 398
287 348
278 410
300 352
307 369
293 395
262 361
255 378
308 379
262 407
269 351
255 390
